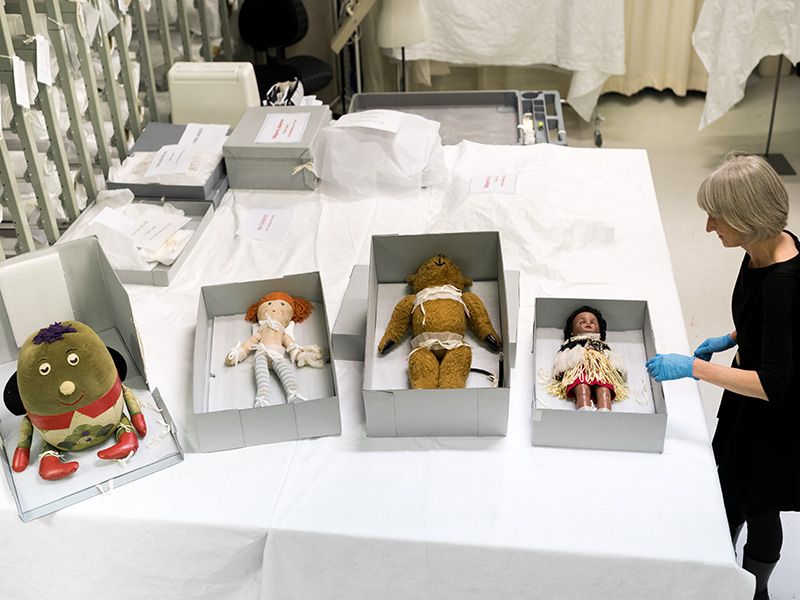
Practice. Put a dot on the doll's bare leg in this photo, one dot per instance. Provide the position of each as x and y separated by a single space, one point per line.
288 379
603 395
454 369
583 396
261 366
423 370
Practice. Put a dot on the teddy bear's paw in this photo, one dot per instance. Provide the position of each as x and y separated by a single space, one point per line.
492 342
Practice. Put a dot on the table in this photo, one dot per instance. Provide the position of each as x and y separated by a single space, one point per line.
587 37
732 36
355 517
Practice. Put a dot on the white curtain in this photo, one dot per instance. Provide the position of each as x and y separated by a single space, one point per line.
658 54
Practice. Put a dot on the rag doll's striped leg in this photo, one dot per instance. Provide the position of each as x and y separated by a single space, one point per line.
261 366
288 379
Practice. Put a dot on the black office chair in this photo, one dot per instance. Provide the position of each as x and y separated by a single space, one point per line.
272 25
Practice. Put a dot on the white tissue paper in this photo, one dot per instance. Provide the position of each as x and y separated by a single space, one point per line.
121 249
379 151
134 170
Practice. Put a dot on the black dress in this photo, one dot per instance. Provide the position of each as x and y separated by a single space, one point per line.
757 443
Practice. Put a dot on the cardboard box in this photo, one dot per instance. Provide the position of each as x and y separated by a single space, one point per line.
200 214
75 281
637 423
154 137
254 162
214 198
392 408
350 327
224 395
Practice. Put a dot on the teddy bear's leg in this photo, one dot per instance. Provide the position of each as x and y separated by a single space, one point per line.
126 442
455 368
423 370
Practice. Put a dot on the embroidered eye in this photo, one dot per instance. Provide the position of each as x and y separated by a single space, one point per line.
44 368
73 359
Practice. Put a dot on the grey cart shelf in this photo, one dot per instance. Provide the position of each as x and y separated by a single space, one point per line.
486 117
542 119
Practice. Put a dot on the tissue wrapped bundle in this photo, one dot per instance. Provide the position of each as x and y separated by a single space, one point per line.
137 168
379 151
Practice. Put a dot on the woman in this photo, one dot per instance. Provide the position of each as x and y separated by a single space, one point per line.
757 440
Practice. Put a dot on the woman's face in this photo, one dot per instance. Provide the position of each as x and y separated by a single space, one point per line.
277 310
729 237
584 323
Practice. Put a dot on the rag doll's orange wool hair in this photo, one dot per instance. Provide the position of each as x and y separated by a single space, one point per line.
301 308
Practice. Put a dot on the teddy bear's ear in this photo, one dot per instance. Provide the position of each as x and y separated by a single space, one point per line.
119 362
411 279
467 282
11 397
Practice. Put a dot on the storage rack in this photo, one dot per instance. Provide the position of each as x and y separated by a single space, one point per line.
76 51
21 125
28 49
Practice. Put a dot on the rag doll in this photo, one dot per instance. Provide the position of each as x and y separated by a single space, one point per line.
585 369
273 319
439 309
69 387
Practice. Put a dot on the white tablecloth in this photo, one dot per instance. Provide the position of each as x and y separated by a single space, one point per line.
356 517
584 36
732 36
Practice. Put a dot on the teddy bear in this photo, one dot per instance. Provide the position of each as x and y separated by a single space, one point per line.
439 309
68 386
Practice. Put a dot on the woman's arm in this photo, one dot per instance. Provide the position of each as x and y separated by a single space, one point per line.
746 383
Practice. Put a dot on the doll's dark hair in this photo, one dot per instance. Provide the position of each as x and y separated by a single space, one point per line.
600 321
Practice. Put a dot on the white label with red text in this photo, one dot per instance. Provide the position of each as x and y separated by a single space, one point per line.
493 184
283 128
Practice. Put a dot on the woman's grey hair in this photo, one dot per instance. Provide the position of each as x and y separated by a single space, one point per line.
746 193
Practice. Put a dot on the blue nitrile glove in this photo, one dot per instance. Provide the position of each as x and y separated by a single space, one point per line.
714 344
664 367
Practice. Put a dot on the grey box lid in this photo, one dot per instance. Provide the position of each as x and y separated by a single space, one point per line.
157 135
242 142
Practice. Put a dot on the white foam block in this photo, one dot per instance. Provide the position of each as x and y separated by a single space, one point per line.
35 295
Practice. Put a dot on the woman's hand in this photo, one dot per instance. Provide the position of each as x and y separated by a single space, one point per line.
665 367
712 345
